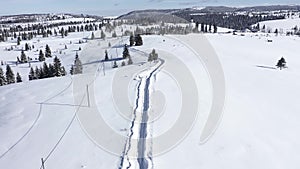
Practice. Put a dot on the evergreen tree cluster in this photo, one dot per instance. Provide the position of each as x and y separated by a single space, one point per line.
47 70
135 40
21 32
9 77
42 57
232 21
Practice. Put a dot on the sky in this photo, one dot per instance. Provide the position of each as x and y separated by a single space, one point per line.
118 7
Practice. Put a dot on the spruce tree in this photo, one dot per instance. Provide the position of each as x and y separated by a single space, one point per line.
63 71
37 73
57 67
102 35
138 40
26 46
46 71
215 29
281 63
93 36
2 78
32 75
77 67
18 40
48 52
19 78
51 70
23 57
126 52
41 56
41 73
106 55
10 76
131 40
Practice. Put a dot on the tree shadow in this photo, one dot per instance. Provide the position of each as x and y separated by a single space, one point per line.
265 67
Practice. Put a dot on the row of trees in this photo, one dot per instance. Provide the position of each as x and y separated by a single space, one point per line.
21 32
206 28
228 20
42 57
47 70
9 76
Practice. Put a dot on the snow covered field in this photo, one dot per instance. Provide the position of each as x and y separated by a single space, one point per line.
258 128
284 25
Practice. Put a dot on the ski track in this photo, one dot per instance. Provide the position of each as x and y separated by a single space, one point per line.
143 160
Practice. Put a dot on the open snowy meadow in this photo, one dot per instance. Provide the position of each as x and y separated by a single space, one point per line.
209 101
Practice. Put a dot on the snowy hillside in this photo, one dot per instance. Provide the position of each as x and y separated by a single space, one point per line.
155 114
282 25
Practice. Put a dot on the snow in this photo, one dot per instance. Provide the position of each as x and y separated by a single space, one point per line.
284 25
258 128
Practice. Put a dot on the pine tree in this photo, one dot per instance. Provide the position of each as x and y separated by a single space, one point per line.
19 78
106 55
72 70
77 67
126 52
26 46
276 31
32 75
19 40
281 63
93 36
62 32
2 78
23 57
215 29
37 73
102 35
57 67
41 73
46 71
63 71
10 76
202 27
41 56
48 52
51 70
138 40
131 40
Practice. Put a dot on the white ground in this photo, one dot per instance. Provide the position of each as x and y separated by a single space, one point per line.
259 128
284 25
